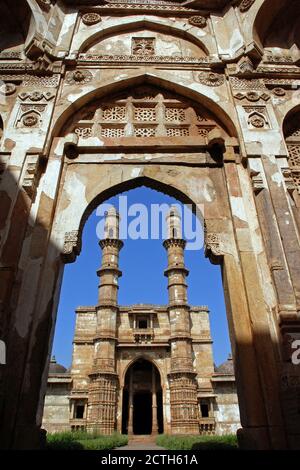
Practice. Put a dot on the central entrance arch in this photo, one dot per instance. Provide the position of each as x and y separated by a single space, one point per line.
142 407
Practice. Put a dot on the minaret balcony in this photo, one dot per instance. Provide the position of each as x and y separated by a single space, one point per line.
207 426
143 335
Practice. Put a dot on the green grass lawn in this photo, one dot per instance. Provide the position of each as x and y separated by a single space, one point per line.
84 441
169 442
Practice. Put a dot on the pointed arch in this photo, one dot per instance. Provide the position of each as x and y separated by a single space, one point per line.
193 91
83 41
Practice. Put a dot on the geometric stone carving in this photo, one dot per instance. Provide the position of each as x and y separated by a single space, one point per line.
294 154
90 19
36 96
245 5
143 46
83 132
211 78
144 112
72 246
114 113
252 96
199 21
31 175
245 65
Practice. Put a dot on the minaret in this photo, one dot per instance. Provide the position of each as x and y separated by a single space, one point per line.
182 377
102 400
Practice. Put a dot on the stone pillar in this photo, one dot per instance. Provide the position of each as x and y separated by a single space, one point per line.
182 377
130 404
154 404
103 388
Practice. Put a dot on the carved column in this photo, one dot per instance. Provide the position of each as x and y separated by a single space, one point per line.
183 385
104 380
154 404
130 405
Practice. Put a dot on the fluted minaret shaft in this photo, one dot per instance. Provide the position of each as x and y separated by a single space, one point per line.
104 383
182 377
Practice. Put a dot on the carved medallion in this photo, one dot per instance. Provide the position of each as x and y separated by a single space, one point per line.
90 19
79 77
199 21
8 89
30 120
211 79
257 121
279 91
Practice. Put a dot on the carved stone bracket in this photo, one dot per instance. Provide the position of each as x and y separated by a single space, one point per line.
72 246
31 175
212 247
257 181
289 180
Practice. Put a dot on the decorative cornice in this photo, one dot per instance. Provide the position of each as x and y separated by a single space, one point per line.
98 58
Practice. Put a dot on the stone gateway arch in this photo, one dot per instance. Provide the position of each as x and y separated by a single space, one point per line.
198 99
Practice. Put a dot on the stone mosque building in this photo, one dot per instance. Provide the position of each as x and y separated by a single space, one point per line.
197 99
142 369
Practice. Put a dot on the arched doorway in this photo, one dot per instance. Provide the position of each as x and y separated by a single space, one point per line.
142 408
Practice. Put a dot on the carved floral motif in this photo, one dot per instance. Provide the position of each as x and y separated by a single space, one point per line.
211 78
79 77
143 46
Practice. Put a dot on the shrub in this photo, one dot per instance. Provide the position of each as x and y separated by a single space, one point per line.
228 442
81 440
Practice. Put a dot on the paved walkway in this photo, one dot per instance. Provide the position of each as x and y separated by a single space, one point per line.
141 443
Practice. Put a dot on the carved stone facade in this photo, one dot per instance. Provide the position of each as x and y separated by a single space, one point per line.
237 68
148 361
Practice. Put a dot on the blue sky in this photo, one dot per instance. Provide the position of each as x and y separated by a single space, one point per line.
143 281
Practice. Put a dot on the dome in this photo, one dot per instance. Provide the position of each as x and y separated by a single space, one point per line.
56 368
226 368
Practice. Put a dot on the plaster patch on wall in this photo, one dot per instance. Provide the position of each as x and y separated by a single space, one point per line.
237 207
277 178
135 172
